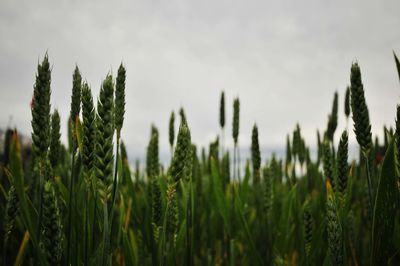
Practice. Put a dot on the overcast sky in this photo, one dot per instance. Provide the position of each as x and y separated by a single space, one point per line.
284 59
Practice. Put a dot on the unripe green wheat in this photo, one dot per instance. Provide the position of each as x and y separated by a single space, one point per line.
362 126
105 133
288 150
172 212
75 103
342 164
52 227
11 212
55 143
124 153
302 152
397 63
213 154
268 192
152 160
172 130
7 146
255 155
225 168
308 230
181 161
235 124
222 110
319 148
153 172
214 150
89 133
333 118
327 160
41 111
347 102
183 115
296 141
335 238
235 135
120 99
156 201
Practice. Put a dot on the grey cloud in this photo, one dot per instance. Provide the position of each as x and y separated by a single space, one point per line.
284 59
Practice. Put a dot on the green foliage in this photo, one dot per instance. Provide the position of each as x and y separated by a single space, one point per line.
386 204
28 212
194 213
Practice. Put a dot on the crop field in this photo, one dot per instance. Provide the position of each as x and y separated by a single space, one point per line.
84 204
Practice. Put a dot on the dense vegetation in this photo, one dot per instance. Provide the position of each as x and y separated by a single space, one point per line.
82 204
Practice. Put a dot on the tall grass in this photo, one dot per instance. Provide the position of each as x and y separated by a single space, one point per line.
82 204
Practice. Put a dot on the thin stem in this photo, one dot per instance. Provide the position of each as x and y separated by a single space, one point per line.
115 178
234 162
39 226
369 179
4 252
94 219
115 184
71 184
238 164
87 226
106 236
222 142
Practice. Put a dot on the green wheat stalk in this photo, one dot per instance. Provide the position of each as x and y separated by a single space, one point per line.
362 126
255 155
104 155
74 115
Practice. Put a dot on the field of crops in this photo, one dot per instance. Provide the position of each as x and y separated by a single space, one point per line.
83 204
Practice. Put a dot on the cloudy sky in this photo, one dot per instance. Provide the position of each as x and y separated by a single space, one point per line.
284 59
